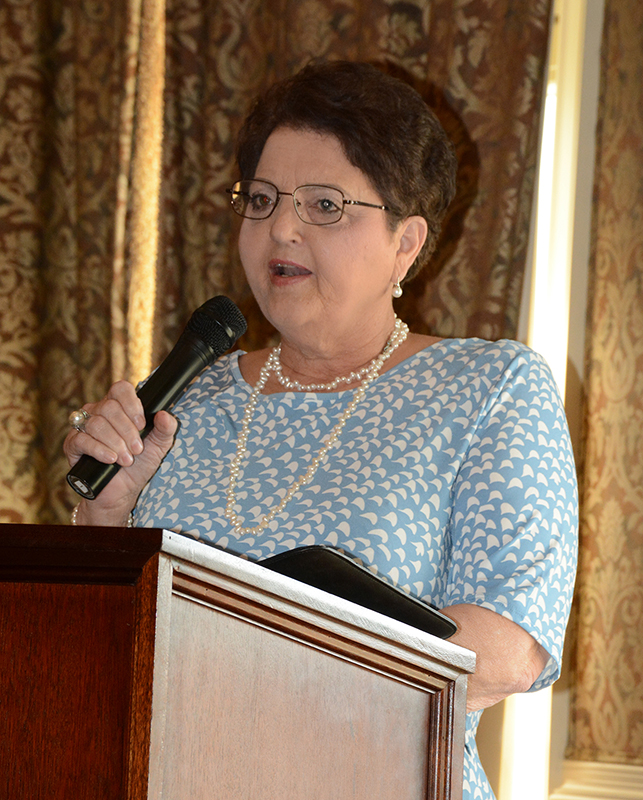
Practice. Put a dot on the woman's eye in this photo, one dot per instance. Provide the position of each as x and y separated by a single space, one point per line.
260 200
326 206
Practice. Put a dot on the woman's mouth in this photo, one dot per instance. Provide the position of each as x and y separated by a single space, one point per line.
287 269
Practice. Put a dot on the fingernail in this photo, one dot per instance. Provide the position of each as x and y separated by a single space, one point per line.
136 446
139 422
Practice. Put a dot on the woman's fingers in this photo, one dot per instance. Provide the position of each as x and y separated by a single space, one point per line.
104 442
80 444
156 444
112 428
112 435
111 432
125 395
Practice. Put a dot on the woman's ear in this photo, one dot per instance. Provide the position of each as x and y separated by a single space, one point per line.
411 235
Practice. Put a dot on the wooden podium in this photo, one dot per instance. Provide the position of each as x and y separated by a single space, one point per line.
138 664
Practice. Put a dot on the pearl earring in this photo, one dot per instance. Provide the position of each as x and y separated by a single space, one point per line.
396 291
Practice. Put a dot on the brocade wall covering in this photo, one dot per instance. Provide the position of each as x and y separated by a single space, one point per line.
607 707
71 77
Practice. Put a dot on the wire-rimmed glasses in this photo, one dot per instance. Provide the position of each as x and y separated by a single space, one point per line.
315 204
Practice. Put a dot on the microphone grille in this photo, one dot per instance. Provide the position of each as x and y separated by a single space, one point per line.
219 323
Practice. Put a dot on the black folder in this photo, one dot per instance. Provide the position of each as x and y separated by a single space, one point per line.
334 572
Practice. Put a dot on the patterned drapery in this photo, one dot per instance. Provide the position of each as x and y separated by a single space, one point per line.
73 76
74 158
62 70
607 708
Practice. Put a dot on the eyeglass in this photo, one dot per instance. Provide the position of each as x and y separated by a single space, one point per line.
314 204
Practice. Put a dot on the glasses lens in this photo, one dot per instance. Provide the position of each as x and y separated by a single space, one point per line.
319 205
254 199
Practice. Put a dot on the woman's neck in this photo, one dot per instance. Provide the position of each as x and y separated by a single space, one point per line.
327 365
251 364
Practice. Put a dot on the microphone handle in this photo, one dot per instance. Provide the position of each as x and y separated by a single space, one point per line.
189 356
88 477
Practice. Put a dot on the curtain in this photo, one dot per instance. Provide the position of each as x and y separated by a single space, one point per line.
607 704
69 74
92 289
60 124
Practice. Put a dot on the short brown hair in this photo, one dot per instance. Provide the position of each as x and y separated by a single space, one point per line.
384 126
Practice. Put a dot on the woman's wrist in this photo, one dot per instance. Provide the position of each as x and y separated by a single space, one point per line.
80 516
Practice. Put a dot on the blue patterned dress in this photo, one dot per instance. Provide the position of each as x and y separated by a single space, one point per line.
454 479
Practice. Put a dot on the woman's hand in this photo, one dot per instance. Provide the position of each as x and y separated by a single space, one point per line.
112 435
508 659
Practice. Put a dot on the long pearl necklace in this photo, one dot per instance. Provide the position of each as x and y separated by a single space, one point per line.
272 365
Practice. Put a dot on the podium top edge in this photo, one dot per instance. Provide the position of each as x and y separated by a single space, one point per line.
196 554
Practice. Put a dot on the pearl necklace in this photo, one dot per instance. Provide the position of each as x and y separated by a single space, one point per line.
272 365
287 383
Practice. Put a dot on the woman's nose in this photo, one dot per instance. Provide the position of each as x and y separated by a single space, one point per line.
285 222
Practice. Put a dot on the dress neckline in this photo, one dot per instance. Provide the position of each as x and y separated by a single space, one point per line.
241 381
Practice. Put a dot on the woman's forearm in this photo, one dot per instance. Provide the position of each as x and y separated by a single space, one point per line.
508 659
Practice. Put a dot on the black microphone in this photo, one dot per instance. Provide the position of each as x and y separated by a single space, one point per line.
211 330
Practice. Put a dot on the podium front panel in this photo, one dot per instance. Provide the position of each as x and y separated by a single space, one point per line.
270 696
278 717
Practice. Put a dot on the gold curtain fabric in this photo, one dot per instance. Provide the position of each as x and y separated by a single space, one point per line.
84 276
68 81
60 69
607 708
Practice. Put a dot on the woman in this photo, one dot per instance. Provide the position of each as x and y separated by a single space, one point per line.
443 464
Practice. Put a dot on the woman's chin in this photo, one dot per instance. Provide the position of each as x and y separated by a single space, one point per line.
297 320
287 301
286 282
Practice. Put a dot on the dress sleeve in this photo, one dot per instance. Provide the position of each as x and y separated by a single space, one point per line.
514 521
